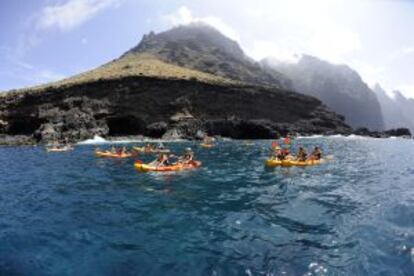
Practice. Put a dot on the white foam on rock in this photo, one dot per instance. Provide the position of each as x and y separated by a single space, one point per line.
96 140
99 140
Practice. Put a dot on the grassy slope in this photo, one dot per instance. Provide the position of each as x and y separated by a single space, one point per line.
131 65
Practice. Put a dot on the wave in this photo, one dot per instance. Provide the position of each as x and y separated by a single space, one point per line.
316 136
350 137
100 140
96 140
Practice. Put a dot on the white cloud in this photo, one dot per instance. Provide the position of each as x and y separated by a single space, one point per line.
400 53
71 14
264 48
370 74
44 76
333 42
184 16
302 27
408 50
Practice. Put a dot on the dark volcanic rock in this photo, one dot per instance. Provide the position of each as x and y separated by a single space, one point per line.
16 140
399 132
75 118
163 108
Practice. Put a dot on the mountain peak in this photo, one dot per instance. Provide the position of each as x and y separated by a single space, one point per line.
398 96
201 47
191 35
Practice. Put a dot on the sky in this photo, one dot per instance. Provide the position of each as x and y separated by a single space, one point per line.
47 40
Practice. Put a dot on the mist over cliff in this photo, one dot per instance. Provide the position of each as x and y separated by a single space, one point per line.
397 111
338 86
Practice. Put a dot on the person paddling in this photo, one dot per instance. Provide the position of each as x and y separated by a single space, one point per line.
161 161
316 154
302 154
278 153
187 157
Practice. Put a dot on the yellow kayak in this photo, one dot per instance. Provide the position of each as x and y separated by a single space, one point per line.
291 163
59 149
204 145
141 167
273 163
112 155
145 150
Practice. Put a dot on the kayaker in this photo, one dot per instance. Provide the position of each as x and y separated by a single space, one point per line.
187 156
124 151
316 154
278 154
302 154
113 150
207 140
162 160
148 147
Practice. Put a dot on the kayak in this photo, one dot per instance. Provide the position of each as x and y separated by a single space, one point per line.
291 163
177 167
59 149
144 150
112 155
204 145
273 163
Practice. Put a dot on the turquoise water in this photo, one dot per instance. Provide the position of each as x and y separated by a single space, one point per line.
72 214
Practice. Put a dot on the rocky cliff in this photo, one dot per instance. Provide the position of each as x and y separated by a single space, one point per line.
337 86
181 83
157 107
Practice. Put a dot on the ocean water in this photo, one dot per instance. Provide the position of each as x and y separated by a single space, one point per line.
73 214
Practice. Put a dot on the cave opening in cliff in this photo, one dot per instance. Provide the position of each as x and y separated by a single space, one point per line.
125 125
24 126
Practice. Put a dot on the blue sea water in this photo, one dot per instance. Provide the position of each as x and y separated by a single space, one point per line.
73 214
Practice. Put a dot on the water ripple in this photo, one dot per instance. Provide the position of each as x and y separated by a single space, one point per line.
73 214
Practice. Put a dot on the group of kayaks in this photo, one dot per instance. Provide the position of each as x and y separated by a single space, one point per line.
179 166
149 167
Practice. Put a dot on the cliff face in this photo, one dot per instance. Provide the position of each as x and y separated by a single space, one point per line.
396 112
337 86
166 108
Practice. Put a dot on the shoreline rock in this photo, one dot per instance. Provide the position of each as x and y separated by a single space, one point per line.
398 132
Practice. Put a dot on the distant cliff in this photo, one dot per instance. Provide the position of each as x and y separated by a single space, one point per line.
397 111
337 86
